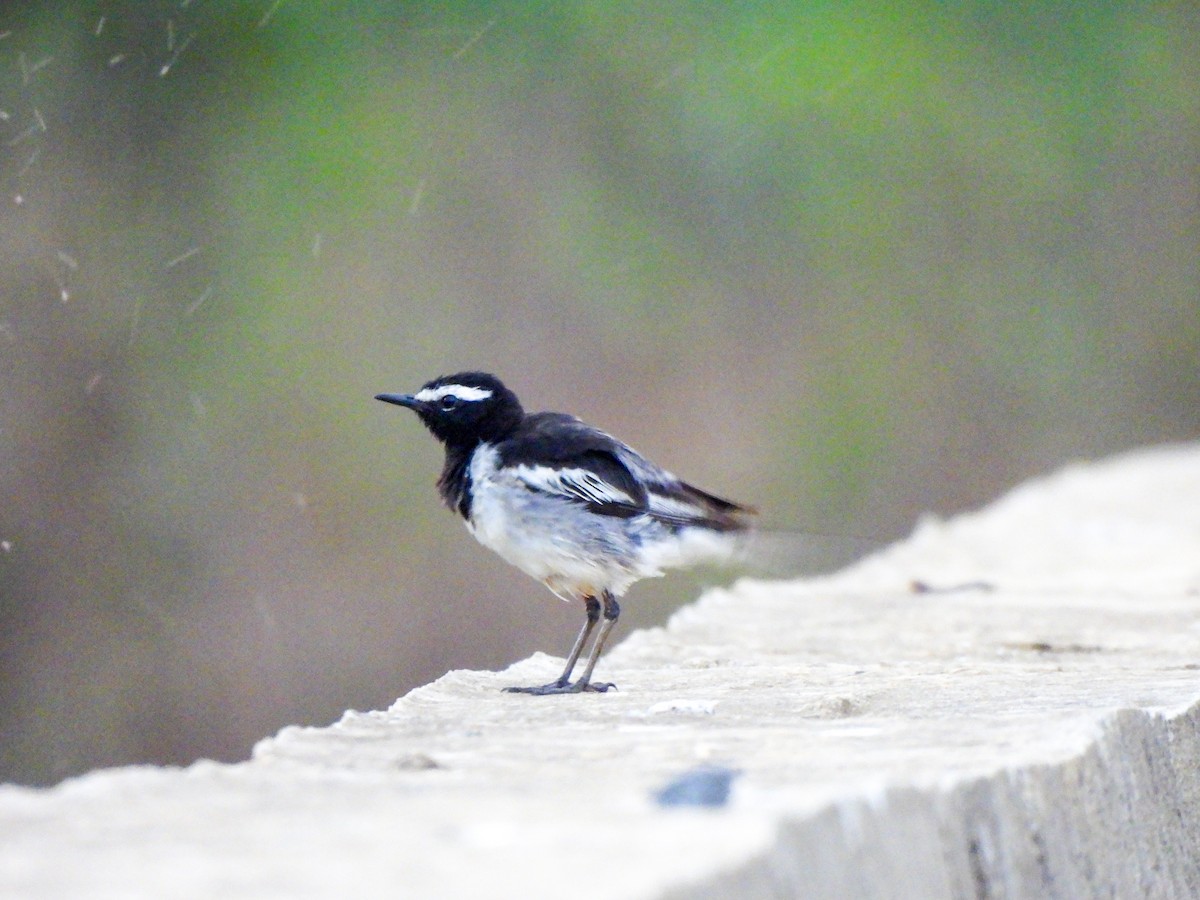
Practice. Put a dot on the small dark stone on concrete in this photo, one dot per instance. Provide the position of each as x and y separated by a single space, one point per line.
702 786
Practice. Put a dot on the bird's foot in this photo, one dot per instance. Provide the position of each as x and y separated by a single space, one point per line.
564 687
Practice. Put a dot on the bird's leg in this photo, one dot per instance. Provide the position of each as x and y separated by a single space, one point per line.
612 610
563 684
593 615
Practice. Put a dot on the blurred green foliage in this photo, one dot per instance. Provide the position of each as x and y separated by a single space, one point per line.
847 262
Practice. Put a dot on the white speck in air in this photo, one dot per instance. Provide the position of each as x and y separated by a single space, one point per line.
185 255
167 66
198 302
415 205
25 134
39 65
474 39
262 23
33 157
93 383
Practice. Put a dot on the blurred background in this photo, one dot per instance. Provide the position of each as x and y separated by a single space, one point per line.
849 263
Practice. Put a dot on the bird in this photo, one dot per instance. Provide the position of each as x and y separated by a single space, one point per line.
566 503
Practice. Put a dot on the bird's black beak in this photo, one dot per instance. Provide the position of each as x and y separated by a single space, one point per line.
400 400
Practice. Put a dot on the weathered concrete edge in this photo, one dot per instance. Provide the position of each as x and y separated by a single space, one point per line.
1121 818
1108 811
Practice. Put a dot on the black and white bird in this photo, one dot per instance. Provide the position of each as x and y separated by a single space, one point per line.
573 507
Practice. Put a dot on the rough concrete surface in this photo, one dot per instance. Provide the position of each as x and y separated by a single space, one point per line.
1028 726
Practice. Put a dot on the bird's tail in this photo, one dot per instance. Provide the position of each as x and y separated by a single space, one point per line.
750 551
793 554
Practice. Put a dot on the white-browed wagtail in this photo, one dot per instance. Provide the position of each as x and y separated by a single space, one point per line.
566 503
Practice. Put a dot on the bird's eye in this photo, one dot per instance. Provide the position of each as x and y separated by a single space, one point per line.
449 402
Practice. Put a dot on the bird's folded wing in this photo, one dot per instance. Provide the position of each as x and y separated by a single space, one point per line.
672 503
586 483
585 465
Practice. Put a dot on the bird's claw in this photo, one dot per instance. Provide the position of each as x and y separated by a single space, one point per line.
564 687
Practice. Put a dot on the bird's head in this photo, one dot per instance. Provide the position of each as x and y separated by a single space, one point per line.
462 410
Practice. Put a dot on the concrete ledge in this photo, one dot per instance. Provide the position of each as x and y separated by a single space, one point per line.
1028 725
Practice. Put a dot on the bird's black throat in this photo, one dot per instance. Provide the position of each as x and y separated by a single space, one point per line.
454 484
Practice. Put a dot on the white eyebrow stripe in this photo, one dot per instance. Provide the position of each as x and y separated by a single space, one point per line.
461 391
